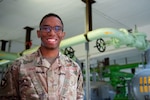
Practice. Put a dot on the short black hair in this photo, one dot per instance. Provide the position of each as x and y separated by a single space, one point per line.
49 15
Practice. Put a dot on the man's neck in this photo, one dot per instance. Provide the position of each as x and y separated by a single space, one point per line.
49 53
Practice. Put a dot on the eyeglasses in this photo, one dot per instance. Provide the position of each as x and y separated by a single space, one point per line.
47 29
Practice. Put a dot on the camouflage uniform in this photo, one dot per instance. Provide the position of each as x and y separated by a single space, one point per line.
34 78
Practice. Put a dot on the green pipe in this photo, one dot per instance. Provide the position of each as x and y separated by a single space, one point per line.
121 37
29 51
4 62
8 56
114 68
65 43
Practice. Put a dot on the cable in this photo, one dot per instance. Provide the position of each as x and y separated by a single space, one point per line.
109 18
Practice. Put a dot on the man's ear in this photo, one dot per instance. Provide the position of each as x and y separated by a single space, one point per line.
38 34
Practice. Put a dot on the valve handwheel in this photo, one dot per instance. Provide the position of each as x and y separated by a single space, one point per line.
101 45
69 52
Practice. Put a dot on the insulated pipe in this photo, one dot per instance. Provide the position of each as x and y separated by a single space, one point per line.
4 62
8 56
29 51
121 37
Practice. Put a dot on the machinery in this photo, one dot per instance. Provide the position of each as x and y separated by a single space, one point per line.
119 79
140 83
101 90
131 85
115 84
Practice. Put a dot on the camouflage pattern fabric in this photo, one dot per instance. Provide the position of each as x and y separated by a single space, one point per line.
33 78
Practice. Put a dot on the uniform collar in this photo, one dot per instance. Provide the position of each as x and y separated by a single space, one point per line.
40 61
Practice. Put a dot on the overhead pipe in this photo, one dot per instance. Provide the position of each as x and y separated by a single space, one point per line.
4 62
120 37
8 55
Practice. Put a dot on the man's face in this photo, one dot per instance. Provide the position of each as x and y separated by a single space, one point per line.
51 33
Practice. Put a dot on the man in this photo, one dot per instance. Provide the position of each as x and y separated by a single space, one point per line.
46 74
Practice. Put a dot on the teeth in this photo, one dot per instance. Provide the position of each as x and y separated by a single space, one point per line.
51 40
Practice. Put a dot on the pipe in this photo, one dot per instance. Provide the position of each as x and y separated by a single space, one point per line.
8 56
120 37
4 62
29 51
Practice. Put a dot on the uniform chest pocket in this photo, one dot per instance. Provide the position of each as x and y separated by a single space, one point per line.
70 84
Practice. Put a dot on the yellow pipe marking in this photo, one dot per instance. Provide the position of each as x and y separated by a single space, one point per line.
107 32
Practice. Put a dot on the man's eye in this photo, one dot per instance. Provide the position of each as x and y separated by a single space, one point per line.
57 28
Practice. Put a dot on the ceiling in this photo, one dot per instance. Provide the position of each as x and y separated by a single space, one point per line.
17 14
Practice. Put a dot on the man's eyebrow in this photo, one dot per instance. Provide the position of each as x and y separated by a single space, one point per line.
45 25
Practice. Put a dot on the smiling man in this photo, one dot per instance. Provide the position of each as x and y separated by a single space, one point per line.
46 74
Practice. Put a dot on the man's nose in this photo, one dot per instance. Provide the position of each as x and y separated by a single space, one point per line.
51 32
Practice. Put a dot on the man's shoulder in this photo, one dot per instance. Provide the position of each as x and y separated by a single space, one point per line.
26 58
66 58
68 61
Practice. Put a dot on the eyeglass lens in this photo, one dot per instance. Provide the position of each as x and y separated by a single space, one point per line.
47 29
